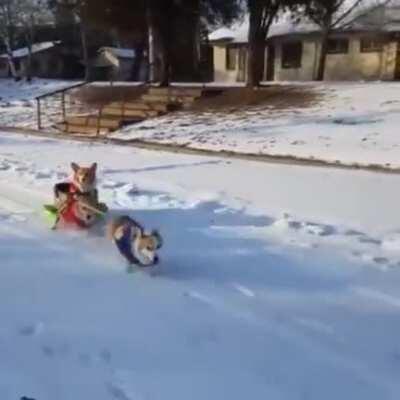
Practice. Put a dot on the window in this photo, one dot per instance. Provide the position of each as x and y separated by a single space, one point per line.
338 46
231 58
291 54
371 45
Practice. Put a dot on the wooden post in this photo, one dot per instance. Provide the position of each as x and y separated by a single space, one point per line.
99 120
39 115
64 111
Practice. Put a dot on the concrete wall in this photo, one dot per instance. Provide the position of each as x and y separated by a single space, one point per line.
44 65
356 65
124 70
307 69
4 70
221 74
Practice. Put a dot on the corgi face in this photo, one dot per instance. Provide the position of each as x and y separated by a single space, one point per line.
145 246
84 178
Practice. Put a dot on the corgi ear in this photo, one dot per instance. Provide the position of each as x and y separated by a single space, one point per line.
75 167
93 168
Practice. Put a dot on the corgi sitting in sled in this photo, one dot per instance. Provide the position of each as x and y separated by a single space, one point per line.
76 202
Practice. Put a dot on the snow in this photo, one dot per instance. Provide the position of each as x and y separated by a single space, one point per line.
348 123
36 48
238 33
275 281
286 24
17 99
120 52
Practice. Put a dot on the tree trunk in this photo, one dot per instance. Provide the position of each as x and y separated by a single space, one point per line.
165 62
138 61
29 63
11 63
256 47
29 40
256 55
322 56
151 45
85 52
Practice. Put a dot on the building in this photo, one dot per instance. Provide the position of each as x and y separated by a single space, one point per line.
46 61
367 48
115 64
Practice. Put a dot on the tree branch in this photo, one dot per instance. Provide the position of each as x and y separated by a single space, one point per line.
346 14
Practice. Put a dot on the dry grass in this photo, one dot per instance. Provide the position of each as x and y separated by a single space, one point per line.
274 96
102 95
225 99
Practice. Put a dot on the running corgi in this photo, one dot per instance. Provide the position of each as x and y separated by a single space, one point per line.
136 245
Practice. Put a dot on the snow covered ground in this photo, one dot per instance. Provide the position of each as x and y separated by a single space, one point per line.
350 123
17 99
276 282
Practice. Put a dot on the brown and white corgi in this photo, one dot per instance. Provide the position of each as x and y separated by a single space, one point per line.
82 184
84 178
133 242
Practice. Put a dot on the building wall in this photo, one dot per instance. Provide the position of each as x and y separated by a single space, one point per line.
4 69
221 74
355 65
44 65
307 69
351 66
125 69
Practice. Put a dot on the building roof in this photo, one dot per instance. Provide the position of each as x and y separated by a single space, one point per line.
36 48
372 16
119 52
239 32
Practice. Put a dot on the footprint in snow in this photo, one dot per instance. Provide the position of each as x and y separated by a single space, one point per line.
31 329
45 174
4 167
122 388
112 185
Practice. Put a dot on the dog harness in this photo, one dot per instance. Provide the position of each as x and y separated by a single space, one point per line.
124 244
69 216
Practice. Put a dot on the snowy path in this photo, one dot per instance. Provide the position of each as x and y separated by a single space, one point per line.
275 282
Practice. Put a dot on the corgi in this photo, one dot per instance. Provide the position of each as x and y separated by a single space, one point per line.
137 246
79 214
77 201
84 178
82 184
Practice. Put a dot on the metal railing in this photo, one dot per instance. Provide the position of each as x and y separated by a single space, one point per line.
53 108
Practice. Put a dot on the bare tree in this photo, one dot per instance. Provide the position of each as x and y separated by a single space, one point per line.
79 10
328 15
29 15
8 25
21 17
262 14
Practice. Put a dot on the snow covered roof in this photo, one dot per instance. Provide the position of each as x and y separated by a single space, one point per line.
239 33
36 48
388 20
119 52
